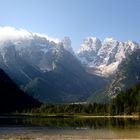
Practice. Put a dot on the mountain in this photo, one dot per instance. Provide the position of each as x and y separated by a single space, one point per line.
67 82
109 59
11 97
50 71
103 58
46 69
127 75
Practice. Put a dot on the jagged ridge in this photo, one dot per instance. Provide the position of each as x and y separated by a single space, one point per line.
103 58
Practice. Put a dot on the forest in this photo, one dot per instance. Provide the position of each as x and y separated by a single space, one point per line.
125 103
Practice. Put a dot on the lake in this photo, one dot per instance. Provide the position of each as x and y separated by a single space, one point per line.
25 128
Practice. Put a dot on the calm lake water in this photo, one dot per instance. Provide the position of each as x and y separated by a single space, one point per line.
68 128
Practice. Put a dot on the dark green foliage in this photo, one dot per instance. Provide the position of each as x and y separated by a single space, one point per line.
127 102
99 96
12 98
71 109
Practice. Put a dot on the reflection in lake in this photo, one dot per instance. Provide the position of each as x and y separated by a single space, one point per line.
74 128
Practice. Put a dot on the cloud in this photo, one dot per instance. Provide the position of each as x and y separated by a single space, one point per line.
10 33
56 40
13 34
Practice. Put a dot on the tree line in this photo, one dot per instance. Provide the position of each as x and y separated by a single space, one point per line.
125 103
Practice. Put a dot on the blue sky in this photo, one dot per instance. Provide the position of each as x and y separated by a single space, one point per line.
77 19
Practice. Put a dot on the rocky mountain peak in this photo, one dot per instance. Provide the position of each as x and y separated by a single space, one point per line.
67 44
104 57
90 44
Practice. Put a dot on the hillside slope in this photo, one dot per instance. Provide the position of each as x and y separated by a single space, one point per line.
11 97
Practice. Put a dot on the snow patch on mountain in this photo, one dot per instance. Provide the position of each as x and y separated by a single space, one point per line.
90 44
104 57
37 49
100 57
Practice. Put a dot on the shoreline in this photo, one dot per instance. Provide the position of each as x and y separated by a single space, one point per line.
116 116
66 116
64 137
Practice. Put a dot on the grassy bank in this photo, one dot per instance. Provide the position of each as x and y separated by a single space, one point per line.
60 115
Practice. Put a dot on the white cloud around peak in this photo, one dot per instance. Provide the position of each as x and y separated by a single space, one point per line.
10 33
